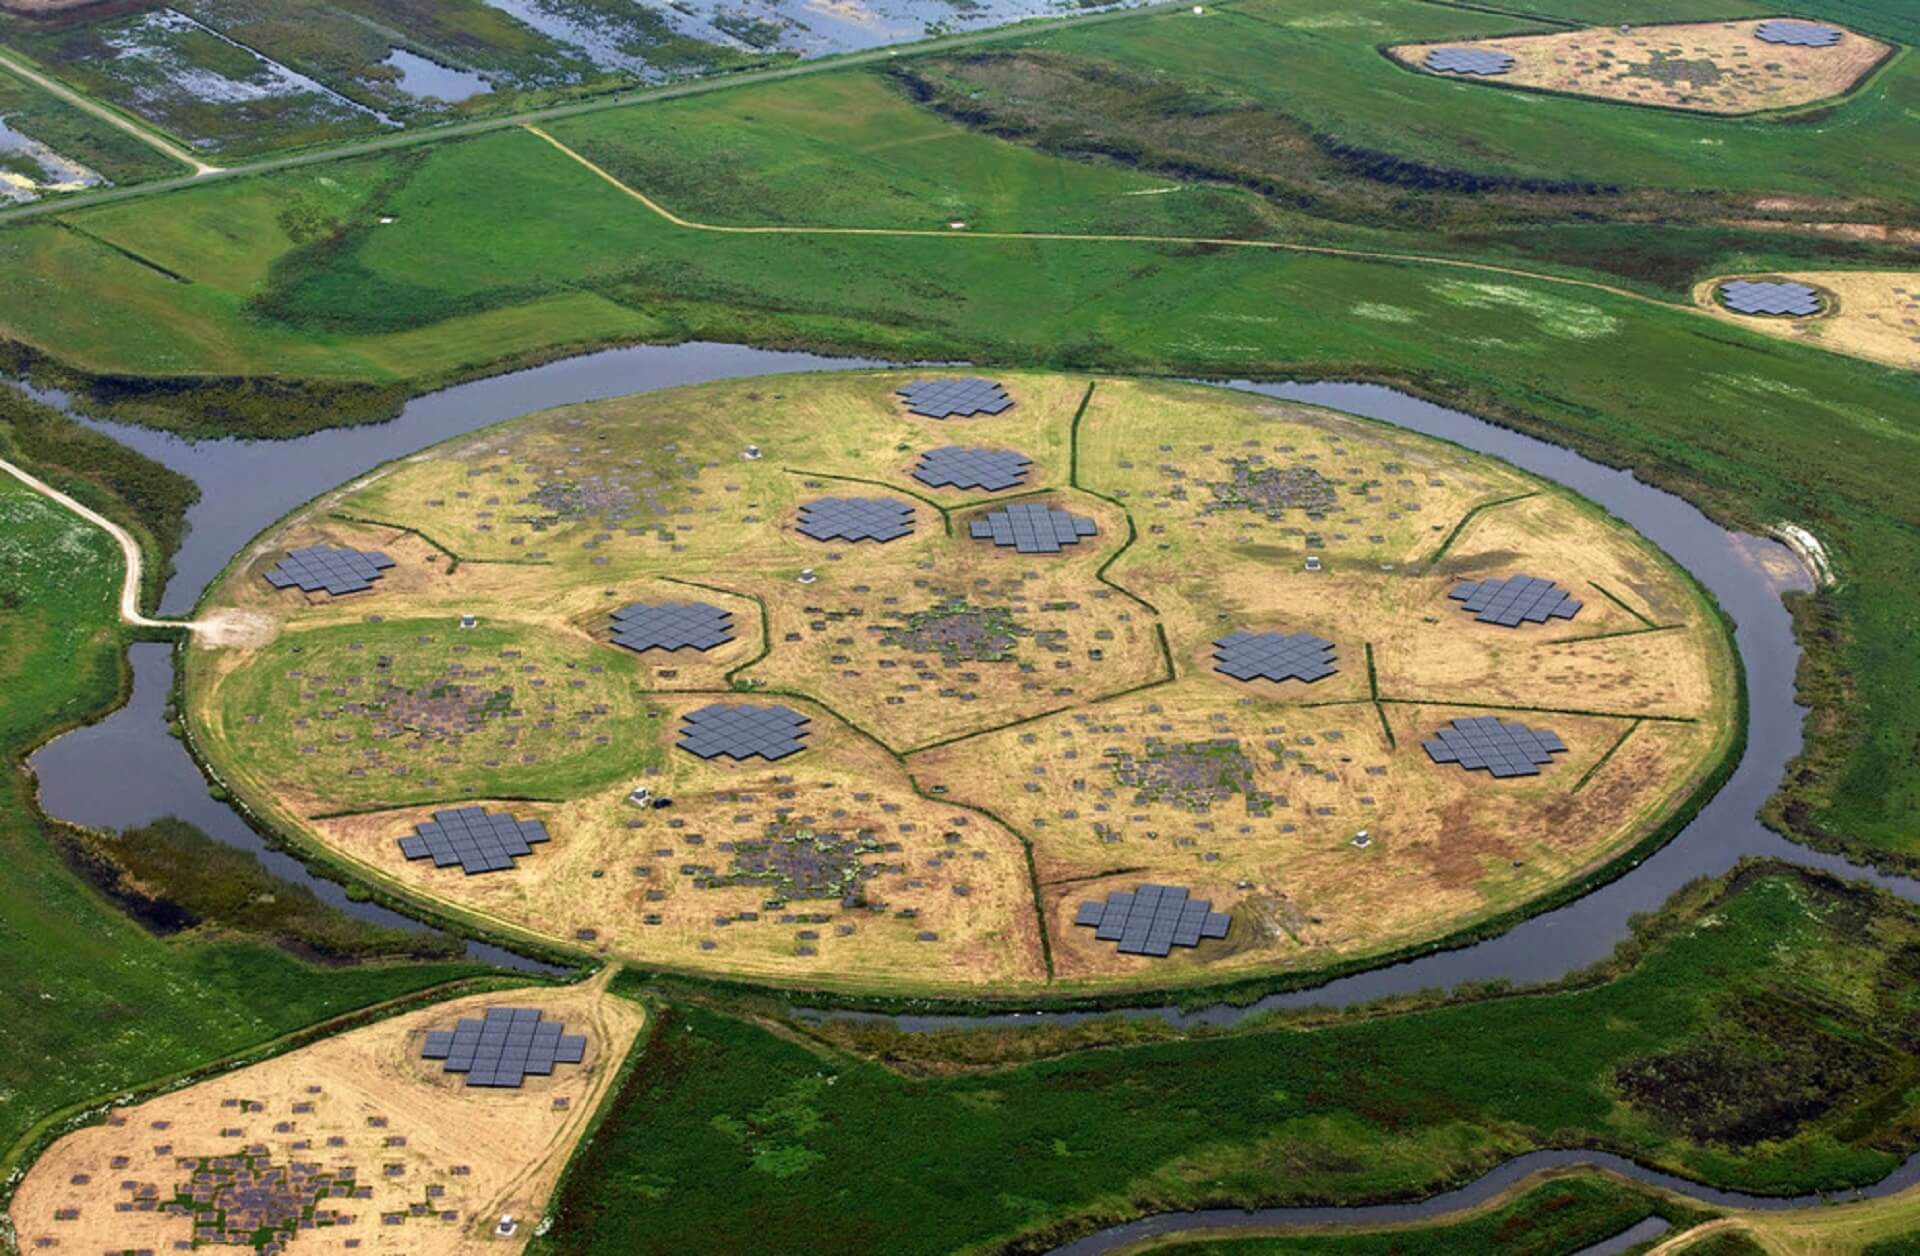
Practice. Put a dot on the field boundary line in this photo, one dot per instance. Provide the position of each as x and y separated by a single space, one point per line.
1610 636
1601 762
1074 237
455 559
1544 710
113 118
1615 598
766 624
1373 691
1466 519
945 512
1133 533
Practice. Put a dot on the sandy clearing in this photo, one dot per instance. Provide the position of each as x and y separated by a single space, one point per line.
1875 314
1703 67
421 1144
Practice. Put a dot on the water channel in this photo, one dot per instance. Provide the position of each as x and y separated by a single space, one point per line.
246 485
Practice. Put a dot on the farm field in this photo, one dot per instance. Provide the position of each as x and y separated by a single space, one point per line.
240 78
408 1158
938 670
1708 67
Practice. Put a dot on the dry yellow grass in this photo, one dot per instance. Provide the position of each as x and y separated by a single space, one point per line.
921 757
621 880
1707 67
419 1142
1873 314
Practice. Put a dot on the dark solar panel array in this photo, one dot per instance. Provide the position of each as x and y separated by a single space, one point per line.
474 838
1514 601
1486 743
1469 61
1804 34
671 626
988 469
1751 296
1153 919
740 730
856 519
951 398
502 1049
1274 656
1031 528
314 568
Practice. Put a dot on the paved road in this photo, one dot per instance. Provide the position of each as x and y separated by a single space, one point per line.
433 134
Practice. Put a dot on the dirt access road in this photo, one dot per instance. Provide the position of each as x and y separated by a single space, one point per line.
223 629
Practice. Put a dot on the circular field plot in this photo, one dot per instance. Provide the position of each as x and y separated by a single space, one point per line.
961 734
1872 314
357 1138
1704 67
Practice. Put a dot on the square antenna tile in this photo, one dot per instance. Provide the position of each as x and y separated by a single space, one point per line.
476 839
1501 747
671 626
856 519
1481 61
954 398
1777 298
1801 34
1152 919
1515 600
991 470
1031 528
740 730
324 568
1274 656
503 1047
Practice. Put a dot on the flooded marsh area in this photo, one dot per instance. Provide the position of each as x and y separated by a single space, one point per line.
235 78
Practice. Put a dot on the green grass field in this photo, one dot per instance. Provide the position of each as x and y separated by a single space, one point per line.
852 150
92 1003
1754 1039
495 712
